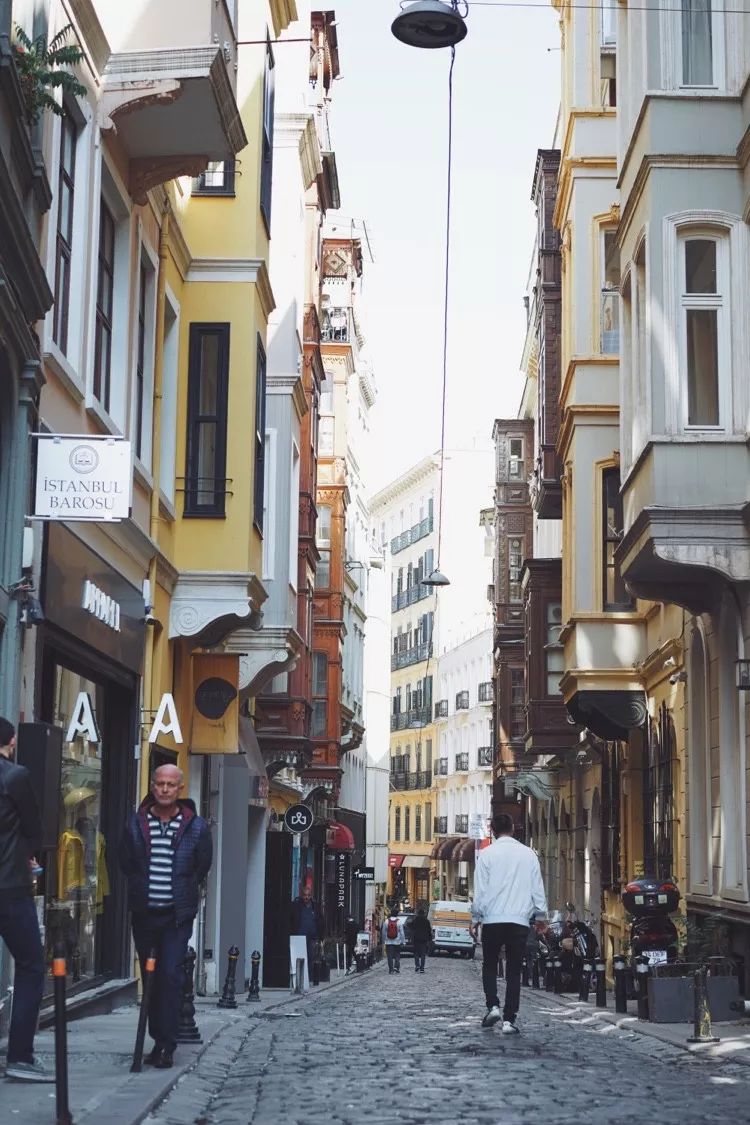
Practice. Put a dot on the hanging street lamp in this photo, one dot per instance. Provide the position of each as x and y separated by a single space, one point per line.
436 579
430 24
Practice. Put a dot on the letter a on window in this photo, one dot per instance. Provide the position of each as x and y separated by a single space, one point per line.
166 721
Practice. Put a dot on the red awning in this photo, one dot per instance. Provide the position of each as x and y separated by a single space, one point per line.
395 861
339 838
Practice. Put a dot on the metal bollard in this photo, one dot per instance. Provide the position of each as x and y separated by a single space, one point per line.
535 973
583 993
187 1030
299 976
642 968
148 971
702 1032
557 978
227 999
59 972
621 983
525 972
253 992
601 983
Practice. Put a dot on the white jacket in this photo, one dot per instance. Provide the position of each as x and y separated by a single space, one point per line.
508 884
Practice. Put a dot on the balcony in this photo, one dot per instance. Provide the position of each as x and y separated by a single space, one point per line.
442 767
485 756
549 730
336 326
462 823
462 701
441 825
412 535
416 655
609 322
168 88
441 709
407 781
486 692
404 720
462 763
410 596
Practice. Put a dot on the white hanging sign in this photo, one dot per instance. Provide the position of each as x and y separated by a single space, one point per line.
83 478
82 721
166 721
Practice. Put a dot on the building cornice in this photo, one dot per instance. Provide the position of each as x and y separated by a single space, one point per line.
568 168
667 161
293 387
577 361
252 271
92 40
419 472
299 129
584 414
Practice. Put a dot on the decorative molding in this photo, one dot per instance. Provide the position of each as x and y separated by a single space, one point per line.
149 172
263 653
210 599
252 271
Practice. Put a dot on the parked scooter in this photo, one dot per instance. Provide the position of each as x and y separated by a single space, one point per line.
652 932
569 938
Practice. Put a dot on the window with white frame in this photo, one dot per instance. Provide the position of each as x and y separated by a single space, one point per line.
697 42
609 23
269 502
113 316
705 357
609 327
169 398
294 517
144 360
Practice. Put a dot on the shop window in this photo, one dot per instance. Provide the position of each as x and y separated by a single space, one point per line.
260 432
266 156
218 178
610 817
104 307
64 239
208 377
615 594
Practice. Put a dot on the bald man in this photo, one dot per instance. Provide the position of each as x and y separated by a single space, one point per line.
165 852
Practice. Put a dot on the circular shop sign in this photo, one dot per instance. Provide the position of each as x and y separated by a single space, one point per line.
298 818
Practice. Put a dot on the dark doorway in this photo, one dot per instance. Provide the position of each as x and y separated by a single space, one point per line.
278 903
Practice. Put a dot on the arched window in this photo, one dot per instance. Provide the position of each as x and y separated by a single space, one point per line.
700 767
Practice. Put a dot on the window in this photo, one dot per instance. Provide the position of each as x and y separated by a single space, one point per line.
218 179
104 305
428 822
515 563
169 400
294 518
323 542
615 594
64 241
140 361
658 812
610 816
208 376
266 159
320 694
700 767
269 501
609 23
260 435
407 823
703 309
144 360
697 43
609 342
515 458
418 823
397 823
553 650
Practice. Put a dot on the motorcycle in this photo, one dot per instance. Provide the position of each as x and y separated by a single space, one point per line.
653 934
570 939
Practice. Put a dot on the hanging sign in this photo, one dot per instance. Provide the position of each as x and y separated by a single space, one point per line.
83 478
166 721
298 818
216 704
477 826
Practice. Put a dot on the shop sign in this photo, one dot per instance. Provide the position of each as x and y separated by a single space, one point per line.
101 605
166 721
83 721
477 826
364 874
341 880
395 861
298 818
79 477
216 710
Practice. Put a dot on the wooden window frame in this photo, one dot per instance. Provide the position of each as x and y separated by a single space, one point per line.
217 507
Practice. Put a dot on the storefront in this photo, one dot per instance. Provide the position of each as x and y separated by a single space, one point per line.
89 664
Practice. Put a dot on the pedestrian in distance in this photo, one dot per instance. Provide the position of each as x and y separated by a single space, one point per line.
165 853
306 921
421 935
508 891
393 939
351 930
20 839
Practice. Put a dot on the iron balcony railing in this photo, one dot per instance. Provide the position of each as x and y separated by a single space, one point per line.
412 535
462 701
462 761
441 709
484 755
337 326
415 655
410 596
442 767
610 322
419 717
486 693
441 825
415 780
462 822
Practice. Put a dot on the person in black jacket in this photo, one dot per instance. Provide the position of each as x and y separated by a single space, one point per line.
20 839
306 920
421 935
165 852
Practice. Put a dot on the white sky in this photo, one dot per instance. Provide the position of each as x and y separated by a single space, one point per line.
389 127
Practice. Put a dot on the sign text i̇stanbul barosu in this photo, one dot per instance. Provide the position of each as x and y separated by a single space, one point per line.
79 477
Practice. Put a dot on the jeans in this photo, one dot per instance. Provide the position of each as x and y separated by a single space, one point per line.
19 929
420 953
393 953
494 937
158 930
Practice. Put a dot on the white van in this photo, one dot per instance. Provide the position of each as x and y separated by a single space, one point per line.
450 923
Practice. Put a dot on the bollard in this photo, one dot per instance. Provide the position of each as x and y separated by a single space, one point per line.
535 973
187 1030
557 975
253 993
525 972
641 976
583 993
314 969
601 983
227 999
299 976
621 983
702 1032
742 1006
147 971
59 972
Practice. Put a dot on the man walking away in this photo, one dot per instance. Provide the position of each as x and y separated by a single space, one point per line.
421 934
508 891
165 852
306 922
20 838
350 934
393 939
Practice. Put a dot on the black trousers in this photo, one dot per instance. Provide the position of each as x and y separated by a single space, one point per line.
19 929
393 953
420 953
158 930
494 937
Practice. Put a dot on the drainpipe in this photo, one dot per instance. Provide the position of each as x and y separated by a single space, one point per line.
161 299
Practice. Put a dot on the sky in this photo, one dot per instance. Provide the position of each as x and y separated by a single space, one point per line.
389 122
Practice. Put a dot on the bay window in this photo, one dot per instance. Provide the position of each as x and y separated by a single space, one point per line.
704 327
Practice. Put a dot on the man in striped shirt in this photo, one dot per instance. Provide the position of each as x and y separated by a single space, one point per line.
166 853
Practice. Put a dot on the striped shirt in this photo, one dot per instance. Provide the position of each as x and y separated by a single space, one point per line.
162 858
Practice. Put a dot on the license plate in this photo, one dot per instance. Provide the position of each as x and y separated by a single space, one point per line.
638 900
656 956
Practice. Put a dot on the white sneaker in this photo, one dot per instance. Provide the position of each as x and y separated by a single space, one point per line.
493 1016
28 1072
509 1028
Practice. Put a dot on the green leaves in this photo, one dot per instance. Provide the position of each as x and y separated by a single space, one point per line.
40 69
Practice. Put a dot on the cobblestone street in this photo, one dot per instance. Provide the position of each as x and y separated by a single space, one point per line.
409 1049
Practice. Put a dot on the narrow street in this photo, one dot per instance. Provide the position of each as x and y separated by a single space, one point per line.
408 1049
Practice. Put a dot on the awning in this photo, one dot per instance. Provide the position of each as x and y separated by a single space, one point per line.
395 861
463 852
444 848
254 761
417 861
339 838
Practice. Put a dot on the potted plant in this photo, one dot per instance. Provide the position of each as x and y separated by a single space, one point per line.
40 66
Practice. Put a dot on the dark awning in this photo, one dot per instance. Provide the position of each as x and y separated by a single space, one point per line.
444 848
463 851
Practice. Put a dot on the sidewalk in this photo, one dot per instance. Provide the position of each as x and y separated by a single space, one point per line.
100 1052
734 1036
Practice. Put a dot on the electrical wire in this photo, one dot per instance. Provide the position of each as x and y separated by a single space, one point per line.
626 7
